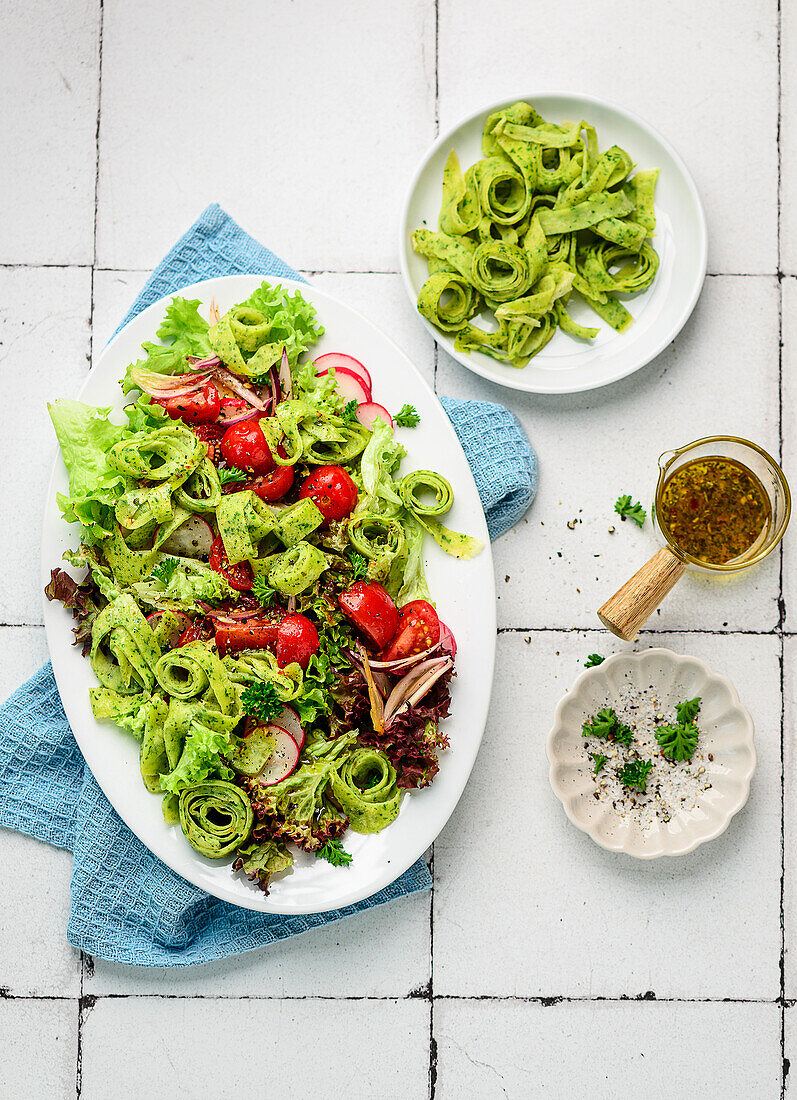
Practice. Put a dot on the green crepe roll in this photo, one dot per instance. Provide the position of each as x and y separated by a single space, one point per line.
448 300
365 788
241 340
201 491
426 512
124 651
154 760
636 269
459 211
262 667
194 669
215 817
298 568
501 271
159 455
457 252
504 196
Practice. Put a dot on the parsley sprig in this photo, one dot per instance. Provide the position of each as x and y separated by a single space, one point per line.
334 852
678 740
607 725
228 474
349 413
407 417
164 570
359 565
260 700
598 760
593 659
635 774
627 510
263 590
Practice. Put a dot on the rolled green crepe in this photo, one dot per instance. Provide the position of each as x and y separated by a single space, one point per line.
194 669
426 512
215 817
544 200
124 651
364 786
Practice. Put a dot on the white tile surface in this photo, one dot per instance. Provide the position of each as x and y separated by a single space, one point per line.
381 953
719 377
38 1041
306 122
305 127
690 70
606 1051
44 335
48 85
219 1048
579 921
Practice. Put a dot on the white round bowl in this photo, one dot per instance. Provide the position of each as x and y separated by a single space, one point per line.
568 365
726 731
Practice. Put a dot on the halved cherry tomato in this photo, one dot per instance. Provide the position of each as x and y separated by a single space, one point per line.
244 446
197 408
251 634
371 610
269 487
297 640
418 628
238 576
192 633
332 491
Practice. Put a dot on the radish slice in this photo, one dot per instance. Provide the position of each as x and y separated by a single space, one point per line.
369 411
352 387
336 359
289 721
182 622
192 539
284 760
448 643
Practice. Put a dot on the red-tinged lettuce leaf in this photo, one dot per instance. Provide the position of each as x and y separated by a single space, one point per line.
83 600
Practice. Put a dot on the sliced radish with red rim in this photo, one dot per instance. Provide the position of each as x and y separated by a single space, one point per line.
339 361
350 386
192 539
289 721
284 760
369 412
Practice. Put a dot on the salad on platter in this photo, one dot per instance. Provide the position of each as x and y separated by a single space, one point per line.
251 590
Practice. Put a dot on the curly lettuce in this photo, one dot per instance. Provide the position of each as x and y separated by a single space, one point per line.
293 320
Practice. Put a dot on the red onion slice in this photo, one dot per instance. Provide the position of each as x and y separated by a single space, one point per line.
412 688
402 663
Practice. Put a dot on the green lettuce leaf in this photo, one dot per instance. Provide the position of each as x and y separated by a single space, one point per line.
201 759
380 460
184 327
190 581
85 435
293 320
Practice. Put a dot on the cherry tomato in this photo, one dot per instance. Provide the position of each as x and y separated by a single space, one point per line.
269 487
197 408
192 633
418 629
332 491
371 610
297 640
238 576
244 446
250 634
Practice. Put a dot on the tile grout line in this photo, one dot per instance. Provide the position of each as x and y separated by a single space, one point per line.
88 1001
96 177
781 599
432 1037
778 274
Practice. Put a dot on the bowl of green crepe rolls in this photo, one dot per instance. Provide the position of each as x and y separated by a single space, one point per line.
553 243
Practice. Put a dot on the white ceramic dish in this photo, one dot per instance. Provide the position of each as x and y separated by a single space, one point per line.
726 732
567 365
464 592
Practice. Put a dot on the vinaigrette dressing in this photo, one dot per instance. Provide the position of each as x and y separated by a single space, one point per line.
714 509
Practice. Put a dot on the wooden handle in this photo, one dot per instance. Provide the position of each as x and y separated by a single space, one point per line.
631 606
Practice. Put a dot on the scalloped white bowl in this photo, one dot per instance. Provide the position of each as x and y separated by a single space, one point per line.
726 732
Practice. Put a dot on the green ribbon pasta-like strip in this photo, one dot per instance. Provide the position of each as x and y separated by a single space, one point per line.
239 338
193 669
541 301
448 300
643 187
154 760
236 520
250 668
571 327
182 715
365 788
637 270
201 491
215 817
124 652
622 231
459 546
569 219
459 212
521 113
253 752
457 252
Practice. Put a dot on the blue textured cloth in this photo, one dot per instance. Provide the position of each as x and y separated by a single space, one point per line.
127 906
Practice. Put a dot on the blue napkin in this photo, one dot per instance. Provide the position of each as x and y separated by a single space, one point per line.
127 906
